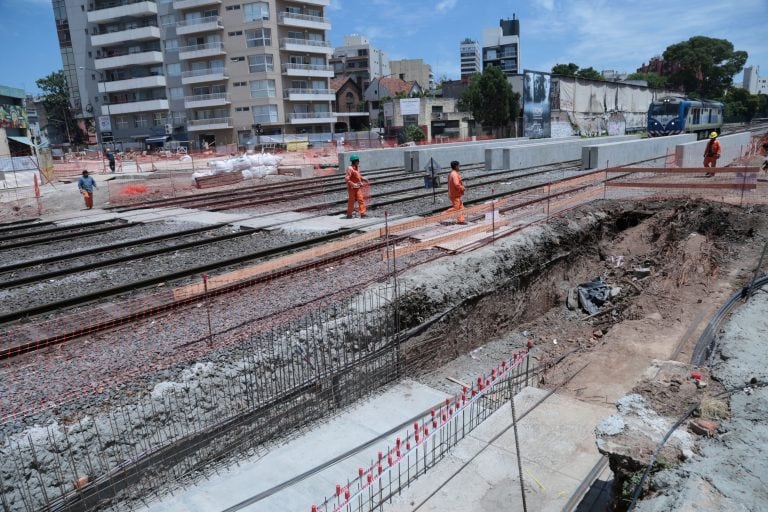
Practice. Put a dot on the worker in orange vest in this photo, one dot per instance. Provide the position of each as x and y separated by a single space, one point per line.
455 191
355 183
711 153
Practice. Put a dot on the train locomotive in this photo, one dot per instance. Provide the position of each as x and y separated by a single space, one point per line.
675 115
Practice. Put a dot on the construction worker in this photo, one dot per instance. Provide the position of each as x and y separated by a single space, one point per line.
111 160
455 191
85 185
355 183
711 153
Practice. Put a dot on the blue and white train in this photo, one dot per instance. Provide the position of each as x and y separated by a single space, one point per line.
672 115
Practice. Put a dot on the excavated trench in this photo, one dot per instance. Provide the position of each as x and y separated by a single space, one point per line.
497 298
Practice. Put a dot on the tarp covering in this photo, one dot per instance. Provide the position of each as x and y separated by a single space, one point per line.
22 140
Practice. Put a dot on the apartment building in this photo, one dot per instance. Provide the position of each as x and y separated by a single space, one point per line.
469 54
413 70
359 60
211 72
501 46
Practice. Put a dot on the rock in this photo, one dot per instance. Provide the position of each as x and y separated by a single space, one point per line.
572 301
598 334
703 427
641 272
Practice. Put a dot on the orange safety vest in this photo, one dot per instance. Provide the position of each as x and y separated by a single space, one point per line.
353 177
455 185
713 148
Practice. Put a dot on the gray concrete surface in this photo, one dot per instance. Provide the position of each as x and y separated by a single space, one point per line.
363 422
730 472
558 451
648 152
544 152
691 154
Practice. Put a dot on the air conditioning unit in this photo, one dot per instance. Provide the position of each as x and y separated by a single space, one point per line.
168 129
439 116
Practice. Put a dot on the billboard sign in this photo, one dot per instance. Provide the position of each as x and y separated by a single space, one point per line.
536 108
410 106
105 124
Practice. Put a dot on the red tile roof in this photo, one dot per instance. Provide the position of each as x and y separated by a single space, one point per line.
396 85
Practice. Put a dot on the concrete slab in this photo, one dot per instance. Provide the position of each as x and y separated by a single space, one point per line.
557 443
363 422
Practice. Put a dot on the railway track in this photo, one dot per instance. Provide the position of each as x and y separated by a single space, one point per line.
161 302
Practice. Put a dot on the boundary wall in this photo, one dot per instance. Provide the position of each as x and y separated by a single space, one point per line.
541 153
653 151
733 147
385 158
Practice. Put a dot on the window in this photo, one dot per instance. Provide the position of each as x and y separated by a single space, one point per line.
319 84
237 59
260 63
239 84
256 11
122 122
258 37
174 69
158 119
168 19
235 33
265 114
242 109
140 121
177 93
233 7
263 89
171 44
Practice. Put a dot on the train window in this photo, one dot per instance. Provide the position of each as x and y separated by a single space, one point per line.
663 109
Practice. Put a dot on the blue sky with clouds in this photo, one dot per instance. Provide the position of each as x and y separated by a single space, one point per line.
603 34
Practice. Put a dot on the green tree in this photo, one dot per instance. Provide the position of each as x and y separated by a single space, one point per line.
703 66
740 104
655 80
590 73
57 107
569 69
414 133
489 98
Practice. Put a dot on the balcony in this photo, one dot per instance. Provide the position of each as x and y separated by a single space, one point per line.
134 10
309 95
308 70
199 51
145 82
191 4
204 75
134 106
194 26
290 44
304 21
206 100
129 59
215 123
312 118
324 3
122 36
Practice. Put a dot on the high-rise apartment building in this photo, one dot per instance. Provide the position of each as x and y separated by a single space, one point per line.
206 71
501 46
469 52
359 60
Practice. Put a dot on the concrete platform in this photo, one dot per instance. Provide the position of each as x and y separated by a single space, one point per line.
360 424
557 442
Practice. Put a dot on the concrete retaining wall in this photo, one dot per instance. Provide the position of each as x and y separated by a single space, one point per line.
375 159
541 152
645 152
732 147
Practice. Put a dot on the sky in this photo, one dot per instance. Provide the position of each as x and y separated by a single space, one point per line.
603 34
